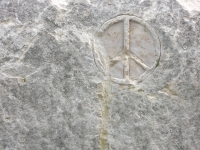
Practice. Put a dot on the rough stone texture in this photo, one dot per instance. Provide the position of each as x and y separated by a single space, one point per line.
55 93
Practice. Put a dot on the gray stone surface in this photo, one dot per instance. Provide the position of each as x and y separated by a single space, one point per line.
57 90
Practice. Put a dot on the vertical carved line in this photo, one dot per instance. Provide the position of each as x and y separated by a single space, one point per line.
126 34
126 67
126 47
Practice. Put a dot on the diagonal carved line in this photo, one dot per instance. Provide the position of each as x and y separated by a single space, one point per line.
117 58
139 61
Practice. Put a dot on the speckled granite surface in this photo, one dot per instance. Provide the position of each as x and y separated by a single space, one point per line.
66 86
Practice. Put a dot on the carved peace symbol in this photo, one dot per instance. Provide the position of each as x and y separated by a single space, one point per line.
132 47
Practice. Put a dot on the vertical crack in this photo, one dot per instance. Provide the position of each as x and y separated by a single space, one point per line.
104 95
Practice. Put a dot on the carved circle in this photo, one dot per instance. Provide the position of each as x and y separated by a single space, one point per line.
132 48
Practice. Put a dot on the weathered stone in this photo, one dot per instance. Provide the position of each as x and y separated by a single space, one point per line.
99 74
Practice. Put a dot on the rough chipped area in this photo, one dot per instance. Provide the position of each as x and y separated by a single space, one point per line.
55 93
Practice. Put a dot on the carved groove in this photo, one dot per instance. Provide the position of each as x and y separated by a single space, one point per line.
140 48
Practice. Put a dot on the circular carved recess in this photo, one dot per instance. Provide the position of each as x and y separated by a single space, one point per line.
131 47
